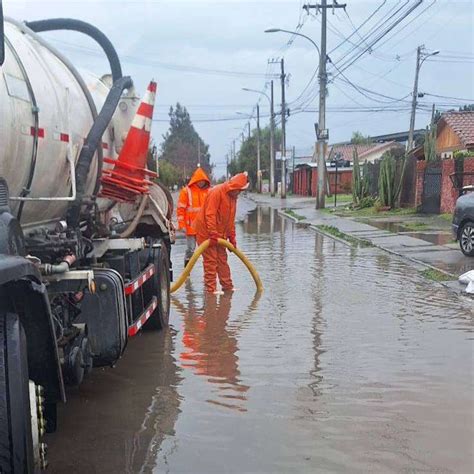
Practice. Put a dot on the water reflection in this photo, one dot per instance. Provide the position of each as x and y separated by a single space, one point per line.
317 291
262 221
210 346
118 419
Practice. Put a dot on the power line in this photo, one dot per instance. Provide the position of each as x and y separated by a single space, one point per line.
448 97
175 67
348 62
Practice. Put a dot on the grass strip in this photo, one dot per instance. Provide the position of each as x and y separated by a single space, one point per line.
373 212
435 275
291 213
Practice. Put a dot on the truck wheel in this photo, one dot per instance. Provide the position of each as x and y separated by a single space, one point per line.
161 289
16 443
466 239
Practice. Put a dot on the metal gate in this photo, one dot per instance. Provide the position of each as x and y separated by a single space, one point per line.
431 201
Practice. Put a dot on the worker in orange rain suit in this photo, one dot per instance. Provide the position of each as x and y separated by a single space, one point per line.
217 220
190 201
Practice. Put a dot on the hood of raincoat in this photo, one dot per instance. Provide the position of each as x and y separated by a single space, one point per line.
199 175
238 182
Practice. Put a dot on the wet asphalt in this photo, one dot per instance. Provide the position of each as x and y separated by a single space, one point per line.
350 361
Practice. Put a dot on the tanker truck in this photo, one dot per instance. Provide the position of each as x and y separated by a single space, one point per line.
85 228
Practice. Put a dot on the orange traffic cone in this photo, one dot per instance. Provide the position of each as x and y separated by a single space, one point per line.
128 178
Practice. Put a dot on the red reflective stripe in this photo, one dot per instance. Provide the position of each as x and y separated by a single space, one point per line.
140 280
64 137
40 132
138 324
146 110
152 87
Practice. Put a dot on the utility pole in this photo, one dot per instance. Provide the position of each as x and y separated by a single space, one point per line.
283 130
272 142
293 171
414 99
227 167
321 131
421 55
248 125
199 152
283 125
259 171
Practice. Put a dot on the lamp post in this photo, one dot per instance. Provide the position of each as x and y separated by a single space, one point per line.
321 129
272 138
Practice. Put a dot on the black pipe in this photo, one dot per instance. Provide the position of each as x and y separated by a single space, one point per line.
86 28
91 144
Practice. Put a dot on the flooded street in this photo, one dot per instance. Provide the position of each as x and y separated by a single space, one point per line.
350 361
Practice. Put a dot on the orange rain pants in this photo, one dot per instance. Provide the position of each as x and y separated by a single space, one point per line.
217 220
215 265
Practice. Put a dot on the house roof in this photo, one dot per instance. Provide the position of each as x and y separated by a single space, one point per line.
379 147
346 151
463 125
308 164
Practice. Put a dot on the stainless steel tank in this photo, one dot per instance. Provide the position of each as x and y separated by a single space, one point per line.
42 95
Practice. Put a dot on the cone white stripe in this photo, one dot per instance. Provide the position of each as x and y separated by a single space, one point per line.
149 98
142 123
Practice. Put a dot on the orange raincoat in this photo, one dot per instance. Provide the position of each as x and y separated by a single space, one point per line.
217 220
190 201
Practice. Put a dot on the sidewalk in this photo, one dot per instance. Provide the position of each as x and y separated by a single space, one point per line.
447 258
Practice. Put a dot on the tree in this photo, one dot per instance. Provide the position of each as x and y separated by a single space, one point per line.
182 144
246 159
359 139
169 175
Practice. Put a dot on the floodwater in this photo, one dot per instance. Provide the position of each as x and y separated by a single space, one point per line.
348 362
435 237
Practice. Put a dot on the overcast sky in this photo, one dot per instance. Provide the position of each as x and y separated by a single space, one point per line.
203 53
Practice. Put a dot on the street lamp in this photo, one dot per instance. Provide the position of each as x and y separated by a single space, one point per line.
279 30
321 132
272 138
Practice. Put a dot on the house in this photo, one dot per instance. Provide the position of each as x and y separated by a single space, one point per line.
439 183
305 179
305 175
455 132
367 152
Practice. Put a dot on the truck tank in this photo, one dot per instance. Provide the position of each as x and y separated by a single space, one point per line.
46 111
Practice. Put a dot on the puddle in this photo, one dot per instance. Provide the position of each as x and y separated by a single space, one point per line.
432 236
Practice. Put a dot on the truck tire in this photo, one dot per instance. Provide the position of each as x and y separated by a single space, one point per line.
161 289
16 444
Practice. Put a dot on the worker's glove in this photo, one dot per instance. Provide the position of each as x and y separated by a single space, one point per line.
213 238
233 240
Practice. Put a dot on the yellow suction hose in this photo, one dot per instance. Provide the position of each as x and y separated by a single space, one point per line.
198 252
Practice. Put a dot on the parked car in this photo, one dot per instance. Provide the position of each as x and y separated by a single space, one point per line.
463 221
